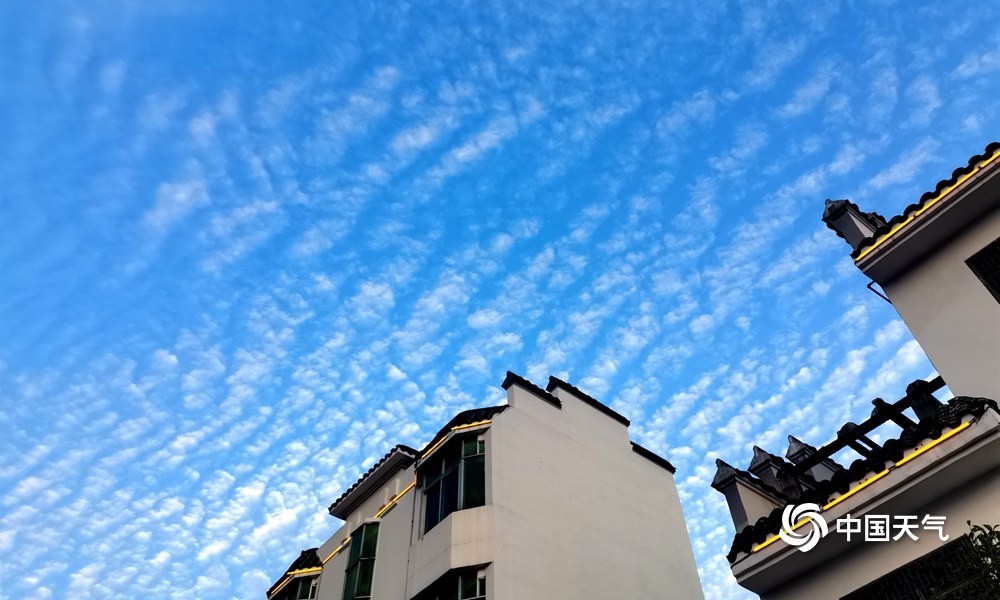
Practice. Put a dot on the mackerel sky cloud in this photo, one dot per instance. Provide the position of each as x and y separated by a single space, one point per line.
247 248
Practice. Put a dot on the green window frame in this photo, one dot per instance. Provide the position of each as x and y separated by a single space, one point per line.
454 480
361 563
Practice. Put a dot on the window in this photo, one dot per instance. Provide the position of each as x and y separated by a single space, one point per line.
471 586
303 588
361 563
464 584
986 265
453 480
307 589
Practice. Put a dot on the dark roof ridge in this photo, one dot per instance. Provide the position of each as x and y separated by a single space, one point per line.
989 153
403 449
513 378
465 417
555 382
653 457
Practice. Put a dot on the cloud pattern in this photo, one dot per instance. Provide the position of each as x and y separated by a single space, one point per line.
247 249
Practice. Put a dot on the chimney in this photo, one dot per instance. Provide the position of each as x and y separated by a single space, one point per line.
845 218
798 451
746 496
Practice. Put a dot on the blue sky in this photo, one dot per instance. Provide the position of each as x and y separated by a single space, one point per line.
247 247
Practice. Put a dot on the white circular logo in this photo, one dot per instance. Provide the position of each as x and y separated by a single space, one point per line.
804 540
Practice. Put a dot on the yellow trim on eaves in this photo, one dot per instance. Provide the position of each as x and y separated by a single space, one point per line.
343 544
291 575
864 483
923 449
385 508
455 428
926 207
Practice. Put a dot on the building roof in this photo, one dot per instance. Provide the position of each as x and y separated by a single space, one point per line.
977 162
466 417
308 559
804 489
400 457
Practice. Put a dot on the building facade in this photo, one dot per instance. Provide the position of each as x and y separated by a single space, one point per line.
543 497
938 263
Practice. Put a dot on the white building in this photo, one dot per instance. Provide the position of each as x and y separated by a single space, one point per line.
544 497
938 263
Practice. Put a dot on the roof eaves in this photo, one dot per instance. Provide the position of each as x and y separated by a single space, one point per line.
466 417
409 457
943 188
308 559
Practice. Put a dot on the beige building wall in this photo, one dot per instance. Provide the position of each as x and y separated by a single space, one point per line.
951 313
579 514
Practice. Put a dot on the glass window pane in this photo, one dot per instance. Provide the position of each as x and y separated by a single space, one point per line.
433 514
365 578
351 583
370 540
469 447
452 453
355 548
449 493
482 446
474 481
467 585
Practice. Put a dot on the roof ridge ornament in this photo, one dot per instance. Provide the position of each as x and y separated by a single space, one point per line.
850 222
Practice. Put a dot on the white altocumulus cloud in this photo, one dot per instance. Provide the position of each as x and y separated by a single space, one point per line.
347 238
175 200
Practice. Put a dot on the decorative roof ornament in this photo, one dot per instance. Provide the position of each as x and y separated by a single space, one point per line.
850 222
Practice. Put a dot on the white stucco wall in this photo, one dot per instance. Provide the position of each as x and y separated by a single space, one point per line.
579 514
952 315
